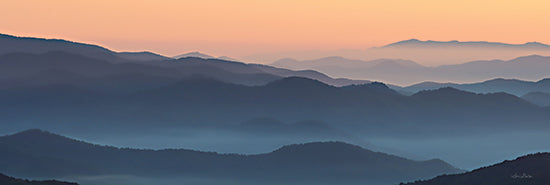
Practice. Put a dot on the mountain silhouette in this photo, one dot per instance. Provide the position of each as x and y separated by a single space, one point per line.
12 44
31 70
511 86
531 169
91 97
492 100
526 67
40 153
388 70
197 54
194 55
406 72
6 180
253 69
53 68
415 43
141 56
429 53
341 62
207 102
230 71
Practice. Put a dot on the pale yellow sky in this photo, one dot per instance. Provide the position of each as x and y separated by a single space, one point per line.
240 28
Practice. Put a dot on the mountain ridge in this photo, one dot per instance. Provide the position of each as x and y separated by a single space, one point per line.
407 72
531 169
455 43
281 165
512 86
227 69
7 180
41 45
195 54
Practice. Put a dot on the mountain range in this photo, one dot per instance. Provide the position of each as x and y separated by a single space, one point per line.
535 92
510 86
197 54
13 44
428 53
405 72
188 101
185 102
36 153
13 49
531 169
415 43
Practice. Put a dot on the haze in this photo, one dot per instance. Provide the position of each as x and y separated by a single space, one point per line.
245 27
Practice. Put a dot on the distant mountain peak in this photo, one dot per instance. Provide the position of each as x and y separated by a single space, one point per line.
503 80
535 44
378 86
531 57
407 41
456 43
195 54
333 58
381 87
430 83
34 133
320 147
444 91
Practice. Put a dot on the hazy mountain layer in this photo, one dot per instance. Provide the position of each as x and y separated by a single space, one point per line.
189 64
428 53
193 101
406 72
202 104
510 86
539 98
42 154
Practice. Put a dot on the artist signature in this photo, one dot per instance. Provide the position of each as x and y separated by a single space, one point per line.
521 176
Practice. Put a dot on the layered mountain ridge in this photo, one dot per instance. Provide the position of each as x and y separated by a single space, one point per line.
30 153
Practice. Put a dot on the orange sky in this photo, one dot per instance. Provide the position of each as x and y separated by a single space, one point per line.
239 28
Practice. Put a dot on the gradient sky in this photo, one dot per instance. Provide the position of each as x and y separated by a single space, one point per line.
240 28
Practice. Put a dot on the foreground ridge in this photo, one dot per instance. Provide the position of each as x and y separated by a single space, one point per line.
532 169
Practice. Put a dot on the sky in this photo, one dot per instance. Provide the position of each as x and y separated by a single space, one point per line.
240 28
